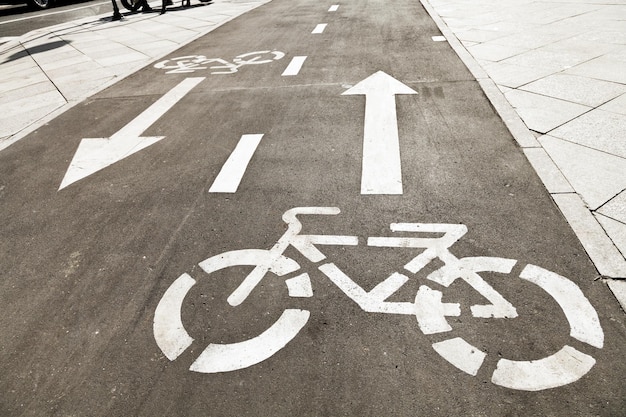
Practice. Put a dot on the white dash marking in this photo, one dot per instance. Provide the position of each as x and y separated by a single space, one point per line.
294 66
319 28
333 8
439 38
230 175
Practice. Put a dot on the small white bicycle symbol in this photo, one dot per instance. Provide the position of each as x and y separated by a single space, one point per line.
192 63
563 367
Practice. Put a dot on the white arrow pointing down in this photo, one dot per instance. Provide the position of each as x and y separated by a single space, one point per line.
381 172
94 154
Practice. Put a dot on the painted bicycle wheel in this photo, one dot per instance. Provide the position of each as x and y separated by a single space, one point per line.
173 339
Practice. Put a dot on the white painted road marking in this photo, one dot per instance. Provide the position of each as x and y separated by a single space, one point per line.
333 8
232 171
557 369
438 38
564 367
94 154
169 332
381 172
319 28
234 356
294 66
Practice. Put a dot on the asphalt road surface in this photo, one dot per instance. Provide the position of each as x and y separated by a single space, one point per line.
117 260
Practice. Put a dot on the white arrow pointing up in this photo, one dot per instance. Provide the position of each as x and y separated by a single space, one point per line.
94 154
382 172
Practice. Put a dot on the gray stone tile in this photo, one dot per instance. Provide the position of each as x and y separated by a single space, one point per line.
547 170
514 76
618 287
121 58
467 44
615 230
84 68
541 113
479 35
584 49
98 50
68 62
596 176
10 97
28 110
18 67
603 253
75 91
494 52
617 105
511 27
553 14
157 48
598 129
602 68
603 35
22 81
577 89
615 208
556 60
530 40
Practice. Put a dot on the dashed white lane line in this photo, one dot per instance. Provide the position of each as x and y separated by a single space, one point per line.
294 66
319 28
438 38
227 181
333 8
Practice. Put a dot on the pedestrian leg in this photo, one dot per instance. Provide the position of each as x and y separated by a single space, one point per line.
116 11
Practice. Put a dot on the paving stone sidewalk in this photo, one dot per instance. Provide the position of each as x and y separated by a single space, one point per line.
554 69
556 72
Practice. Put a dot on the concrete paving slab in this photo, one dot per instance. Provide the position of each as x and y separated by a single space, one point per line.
549 173
596 176
493 52
531 39
577 89
67 62
619 290
514 76
542 113
25 80
598 129
121 58
602 68
155 48
479 35
605 256
88 85
555 60
584 49
617 105
616 231
10 97
27 111
605 36
616 208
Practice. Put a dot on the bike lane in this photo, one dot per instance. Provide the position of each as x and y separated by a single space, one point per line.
102 251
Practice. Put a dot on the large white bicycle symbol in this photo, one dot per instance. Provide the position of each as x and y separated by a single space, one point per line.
563 367
192 63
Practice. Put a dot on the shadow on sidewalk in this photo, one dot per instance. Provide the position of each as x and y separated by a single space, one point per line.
35 50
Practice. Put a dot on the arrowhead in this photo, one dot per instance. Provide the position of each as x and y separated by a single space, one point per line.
379 82
94 154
